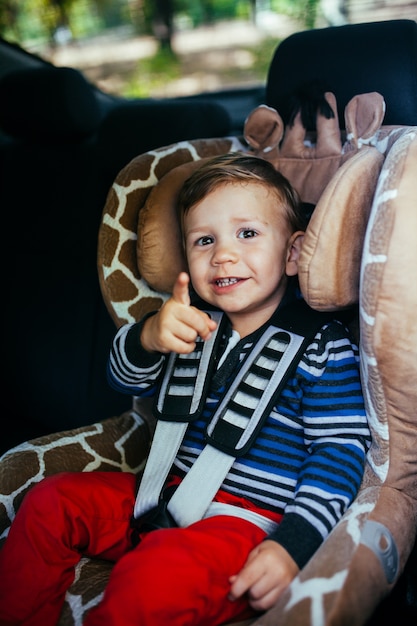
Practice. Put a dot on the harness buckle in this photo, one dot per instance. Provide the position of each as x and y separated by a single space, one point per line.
155 519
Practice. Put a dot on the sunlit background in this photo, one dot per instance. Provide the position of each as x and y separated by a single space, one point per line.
162 48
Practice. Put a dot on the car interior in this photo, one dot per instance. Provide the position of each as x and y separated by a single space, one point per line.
88 190
62 144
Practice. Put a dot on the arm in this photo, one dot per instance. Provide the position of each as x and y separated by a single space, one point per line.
131 369
138 350
336 437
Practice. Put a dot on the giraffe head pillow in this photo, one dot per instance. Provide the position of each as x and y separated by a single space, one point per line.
339 179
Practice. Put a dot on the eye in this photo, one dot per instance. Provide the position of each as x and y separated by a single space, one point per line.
247 233
205 240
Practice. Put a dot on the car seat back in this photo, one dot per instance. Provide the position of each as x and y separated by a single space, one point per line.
359 251
349 60
59 153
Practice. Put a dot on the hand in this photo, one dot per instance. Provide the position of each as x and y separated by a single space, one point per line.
267 572
177 324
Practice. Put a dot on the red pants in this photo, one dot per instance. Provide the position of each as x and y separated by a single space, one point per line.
177 576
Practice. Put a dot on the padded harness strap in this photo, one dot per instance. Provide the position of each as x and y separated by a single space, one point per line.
236 423
184 386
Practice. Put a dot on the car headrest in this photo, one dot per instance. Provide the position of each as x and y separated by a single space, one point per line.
135 127
47 105
347 60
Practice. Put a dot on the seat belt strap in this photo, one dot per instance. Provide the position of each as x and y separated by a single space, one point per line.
165 445
221 508
187 381
199 486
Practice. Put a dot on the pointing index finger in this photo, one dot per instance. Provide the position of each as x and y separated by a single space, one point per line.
180 292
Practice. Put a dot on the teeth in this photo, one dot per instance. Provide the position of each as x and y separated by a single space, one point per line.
224 282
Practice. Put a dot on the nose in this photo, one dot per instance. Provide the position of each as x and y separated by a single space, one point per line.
224 253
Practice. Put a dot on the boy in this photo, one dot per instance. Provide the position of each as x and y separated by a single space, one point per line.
242 229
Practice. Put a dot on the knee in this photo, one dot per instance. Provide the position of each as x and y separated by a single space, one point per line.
171 582
171 557
43 496
159 555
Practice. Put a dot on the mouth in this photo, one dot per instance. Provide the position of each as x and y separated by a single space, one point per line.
225 282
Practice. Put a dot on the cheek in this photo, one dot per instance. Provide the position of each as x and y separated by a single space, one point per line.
196 267
272 267
266 255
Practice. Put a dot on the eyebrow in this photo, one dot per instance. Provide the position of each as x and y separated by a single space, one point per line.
246 221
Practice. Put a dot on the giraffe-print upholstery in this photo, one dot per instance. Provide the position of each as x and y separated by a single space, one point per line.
344 581
127 295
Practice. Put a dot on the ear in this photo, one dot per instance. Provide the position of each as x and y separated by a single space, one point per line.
293 252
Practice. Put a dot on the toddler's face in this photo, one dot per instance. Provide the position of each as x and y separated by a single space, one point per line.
240 251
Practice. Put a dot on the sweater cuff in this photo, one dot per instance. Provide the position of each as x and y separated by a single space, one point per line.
135 352
299 538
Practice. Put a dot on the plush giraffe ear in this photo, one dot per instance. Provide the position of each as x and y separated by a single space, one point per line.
263 131
364 115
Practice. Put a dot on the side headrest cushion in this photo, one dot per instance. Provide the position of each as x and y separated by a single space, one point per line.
48 104
330 259
159 246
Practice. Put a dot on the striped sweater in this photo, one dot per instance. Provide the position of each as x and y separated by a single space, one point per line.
307 461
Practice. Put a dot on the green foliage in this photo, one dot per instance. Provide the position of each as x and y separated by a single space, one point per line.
310 15
83 21
38 19
303 10
152 74
8 11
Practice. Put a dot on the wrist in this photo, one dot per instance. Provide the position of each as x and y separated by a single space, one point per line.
145 335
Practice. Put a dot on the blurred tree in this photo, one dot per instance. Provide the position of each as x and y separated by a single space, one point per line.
60 20
60 29
310 15
9 10
208 10
158 19
136 15
163 23
58 15
304 10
